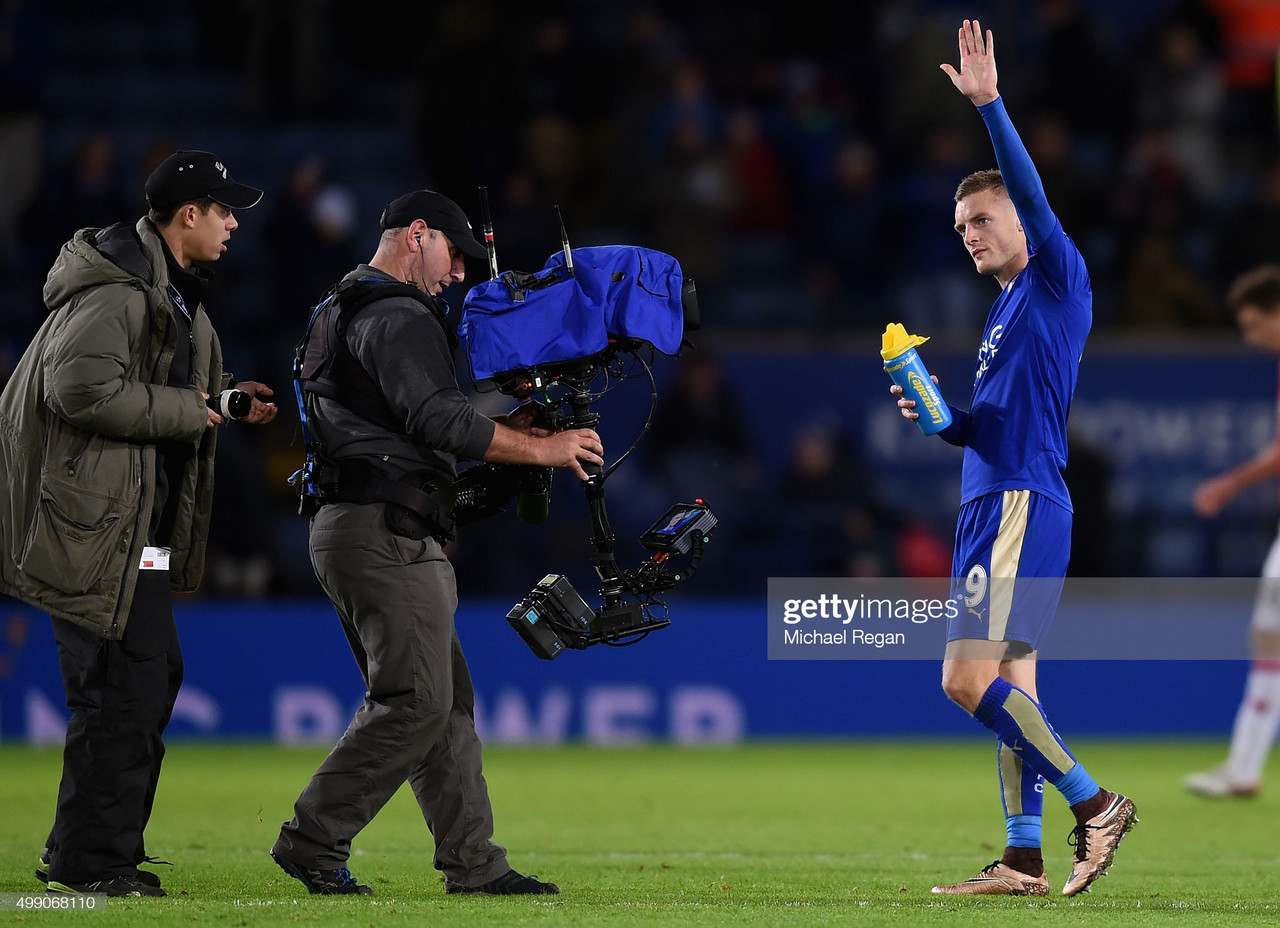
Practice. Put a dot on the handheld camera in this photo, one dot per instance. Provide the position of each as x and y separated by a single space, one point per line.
231 404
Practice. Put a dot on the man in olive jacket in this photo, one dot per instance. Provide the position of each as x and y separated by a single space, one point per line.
107 436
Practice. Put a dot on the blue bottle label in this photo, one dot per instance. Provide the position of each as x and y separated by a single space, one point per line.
909 372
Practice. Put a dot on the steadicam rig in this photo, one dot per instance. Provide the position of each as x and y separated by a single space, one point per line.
591 319
554 617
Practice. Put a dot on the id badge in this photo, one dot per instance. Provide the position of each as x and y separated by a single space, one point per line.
154 559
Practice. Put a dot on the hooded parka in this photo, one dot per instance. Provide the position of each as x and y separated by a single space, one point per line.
79 420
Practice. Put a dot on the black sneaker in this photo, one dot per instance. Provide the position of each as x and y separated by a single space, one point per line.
128 885
336 882
144 876
509 884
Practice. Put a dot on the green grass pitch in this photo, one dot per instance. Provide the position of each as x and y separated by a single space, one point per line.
766 834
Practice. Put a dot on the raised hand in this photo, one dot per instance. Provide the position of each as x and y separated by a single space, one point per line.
977 76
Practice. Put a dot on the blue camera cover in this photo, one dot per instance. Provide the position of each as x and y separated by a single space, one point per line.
519 321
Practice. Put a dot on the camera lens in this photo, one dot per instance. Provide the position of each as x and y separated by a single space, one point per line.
231 404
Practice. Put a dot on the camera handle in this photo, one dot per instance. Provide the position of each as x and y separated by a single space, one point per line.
602 536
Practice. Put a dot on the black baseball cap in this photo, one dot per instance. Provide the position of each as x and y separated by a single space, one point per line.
438 212
189 175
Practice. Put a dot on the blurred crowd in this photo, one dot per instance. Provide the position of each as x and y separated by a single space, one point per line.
799 167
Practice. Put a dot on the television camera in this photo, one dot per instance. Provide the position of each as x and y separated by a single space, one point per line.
567 335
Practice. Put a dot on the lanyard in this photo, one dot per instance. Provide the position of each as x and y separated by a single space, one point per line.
182 304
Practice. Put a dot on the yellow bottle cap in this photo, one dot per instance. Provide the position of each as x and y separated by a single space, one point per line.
896 341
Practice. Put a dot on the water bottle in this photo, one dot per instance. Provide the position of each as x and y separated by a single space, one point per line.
907 370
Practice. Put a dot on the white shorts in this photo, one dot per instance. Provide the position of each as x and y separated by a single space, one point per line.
1266 608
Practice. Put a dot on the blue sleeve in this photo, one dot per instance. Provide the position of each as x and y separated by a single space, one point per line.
1020 176
957 433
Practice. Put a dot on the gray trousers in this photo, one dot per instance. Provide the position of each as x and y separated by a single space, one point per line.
396 598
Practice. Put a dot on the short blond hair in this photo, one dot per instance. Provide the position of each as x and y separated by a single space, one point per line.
979 181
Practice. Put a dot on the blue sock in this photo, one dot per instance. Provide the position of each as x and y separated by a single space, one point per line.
1019 722
1077 785
1022 794
1022 830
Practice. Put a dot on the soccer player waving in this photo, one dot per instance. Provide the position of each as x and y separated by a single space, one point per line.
1014 529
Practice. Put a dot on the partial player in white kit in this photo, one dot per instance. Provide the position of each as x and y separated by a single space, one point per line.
1254 297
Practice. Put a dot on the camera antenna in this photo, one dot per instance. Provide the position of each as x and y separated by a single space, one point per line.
487 222
564 243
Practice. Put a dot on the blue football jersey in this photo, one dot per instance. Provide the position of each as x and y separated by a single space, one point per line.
1015 431
1026 375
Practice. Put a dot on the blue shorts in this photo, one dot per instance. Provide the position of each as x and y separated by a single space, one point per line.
1010 558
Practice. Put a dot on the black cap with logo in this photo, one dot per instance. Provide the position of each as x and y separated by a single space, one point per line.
189 175
438 212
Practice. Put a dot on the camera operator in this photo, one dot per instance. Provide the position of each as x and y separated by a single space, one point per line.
388 422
